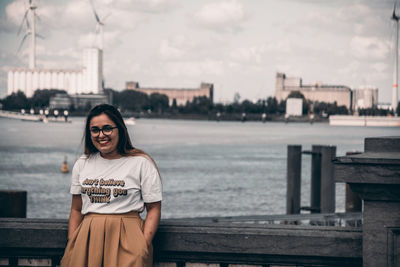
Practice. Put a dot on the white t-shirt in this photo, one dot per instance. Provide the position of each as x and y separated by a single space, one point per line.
117 185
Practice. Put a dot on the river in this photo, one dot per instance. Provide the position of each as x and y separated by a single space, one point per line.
208 168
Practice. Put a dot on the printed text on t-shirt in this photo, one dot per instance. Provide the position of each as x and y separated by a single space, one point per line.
99 191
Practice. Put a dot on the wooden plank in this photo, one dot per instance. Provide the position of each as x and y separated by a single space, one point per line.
376 174
382 144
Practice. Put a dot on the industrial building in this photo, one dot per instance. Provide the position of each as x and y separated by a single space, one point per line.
314 92
181 95
366 97
343 95
87 80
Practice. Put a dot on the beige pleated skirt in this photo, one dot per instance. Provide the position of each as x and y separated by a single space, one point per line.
112 240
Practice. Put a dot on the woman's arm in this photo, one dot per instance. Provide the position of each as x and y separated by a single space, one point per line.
75 216
152 220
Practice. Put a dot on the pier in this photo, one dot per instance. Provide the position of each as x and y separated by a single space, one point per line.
374 121
35 117
317 239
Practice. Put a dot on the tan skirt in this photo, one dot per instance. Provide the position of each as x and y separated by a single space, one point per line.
112 240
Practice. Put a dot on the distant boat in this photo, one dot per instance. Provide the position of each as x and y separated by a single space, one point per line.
130 121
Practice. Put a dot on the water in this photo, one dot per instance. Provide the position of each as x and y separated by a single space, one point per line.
208 168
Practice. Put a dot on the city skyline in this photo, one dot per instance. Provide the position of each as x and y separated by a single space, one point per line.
236 45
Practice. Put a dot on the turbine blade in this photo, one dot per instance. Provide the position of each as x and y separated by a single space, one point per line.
38 17
22 42
22 22
94 12
394 16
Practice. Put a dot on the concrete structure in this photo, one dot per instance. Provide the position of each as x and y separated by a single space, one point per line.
340 94
294 107
82 101
365 98
374 121
92 72
180 95
87 80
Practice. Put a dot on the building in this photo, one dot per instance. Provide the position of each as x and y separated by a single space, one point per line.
88 79
180 95
82 101
365 98
340 94
294 106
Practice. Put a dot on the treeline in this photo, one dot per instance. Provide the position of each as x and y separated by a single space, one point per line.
40 99
130 101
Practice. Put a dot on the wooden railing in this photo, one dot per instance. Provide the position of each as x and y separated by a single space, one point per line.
198 242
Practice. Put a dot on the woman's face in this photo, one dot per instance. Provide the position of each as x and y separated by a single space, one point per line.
104 136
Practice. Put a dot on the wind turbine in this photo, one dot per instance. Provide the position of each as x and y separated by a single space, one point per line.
99 25
396 18
29 20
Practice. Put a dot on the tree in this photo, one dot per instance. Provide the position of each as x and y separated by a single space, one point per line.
321 108
296 94
41 98
16 101
132 100
159 102
199 105
272 105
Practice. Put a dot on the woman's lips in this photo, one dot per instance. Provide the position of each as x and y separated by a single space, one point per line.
103 142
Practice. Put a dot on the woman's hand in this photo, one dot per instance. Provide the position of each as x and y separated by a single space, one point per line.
152 220
75 216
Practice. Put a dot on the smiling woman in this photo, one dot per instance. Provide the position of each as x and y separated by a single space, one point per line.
111 184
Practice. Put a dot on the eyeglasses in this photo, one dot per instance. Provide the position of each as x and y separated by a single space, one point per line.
107 130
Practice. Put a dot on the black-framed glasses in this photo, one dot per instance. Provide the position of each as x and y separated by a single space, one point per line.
107 130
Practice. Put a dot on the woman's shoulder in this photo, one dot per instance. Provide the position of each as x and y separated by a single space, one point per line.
139 158
82 159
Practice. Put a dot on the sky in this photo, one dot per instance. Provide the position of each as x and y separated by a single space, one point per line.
238 45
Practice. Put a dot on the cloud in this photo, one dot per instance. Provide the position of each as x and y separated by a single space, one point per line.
147 6
168 51
224 16
15 11
379 67
177 47
248 54
195 68
369 47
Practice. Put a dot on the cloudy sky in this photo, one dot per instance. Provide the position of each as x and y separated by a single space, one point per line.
238 45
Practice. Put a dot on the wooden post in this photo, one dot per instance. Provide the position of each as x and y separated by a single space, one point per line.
293 179
353 200
328 153
315 201
13 203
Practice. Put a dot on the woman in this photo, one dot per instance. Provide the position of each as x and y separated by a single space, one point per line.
111 184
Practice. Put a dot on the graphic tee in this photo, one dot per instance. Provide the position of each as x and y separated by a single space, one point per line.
117 185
